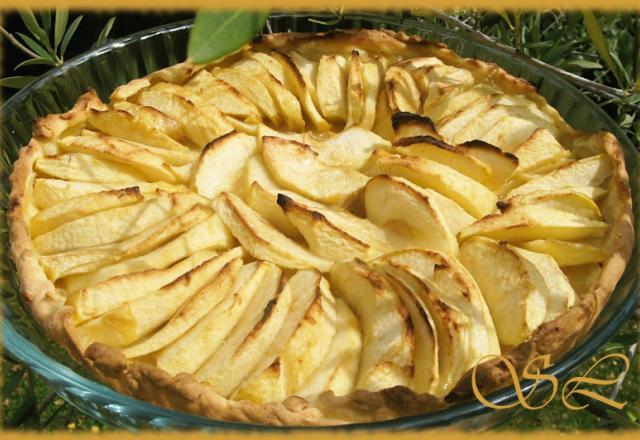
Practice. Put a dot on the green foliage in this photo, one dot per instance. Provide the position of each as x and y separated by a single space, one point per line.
45 46
216 34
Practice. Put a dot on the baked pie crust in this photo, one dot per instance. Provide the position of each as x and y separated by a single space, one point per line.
435 140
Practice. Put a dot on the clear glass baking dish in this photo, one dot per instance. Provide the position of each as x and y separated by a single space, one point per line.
125 59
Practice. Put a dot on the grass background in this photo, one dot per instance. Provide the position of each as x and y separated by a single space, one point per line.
603 49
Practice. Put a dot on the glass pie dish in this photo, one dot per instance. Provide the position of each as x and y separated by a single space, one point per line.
159 48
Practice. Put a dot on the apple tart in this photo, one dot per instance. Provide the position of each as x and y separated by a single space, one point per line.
317 229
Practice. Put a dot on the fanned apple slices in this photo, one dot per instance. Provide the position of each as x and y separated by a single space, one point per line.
292 221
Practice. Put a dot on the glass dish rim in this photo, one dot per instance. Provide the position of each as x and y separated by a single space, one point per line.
34 357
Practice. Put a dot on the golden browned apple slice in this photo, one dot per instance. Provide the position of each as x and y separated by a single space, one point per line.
223 95
150 165
172 157
334 236
151 117
262 240
253 90
426 375
247 345
567 253
534 222
112 225
406 125
209 234
509 132
192 311
297 167
372 77
451 287
339 369
287 103
82 206
255 285
475 128
355 89
516 296
564 200
265 202
396 205
86 168
256 171
136 319
300 345
449 126
199 127
349 148
541 148
502 164
455 100
271 64
382 125
122 124
588 172
331 86
387 356
402 91
475 198
221 163
455 157
295 81
50 192
436 79
549 279
106 295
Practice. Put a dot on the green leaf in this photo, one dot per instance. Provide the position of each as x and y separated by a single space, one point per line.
621 420
216 34
13 382
36 62
584 64
62 15
67 36
34 46
597 38
505 17
32 24
17 82
104 34
45 17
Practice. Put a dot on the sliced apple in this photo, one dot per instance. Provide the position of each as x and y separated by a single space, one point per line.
85 260
382 125
588 172
199 127
192 311
138 318
110 293
388 347
510 132
82 206
297 167
211 233
262 240
449 126
475 198
50 192
455 157
329 239
287 103
402 92
332 87
151 117
456 100
406 125
477 127
393 204
112 225
339 369
567 253
372 78
232 363
563 200
538 150
255 286
86 168
150 165
502 164
349 148
221 163
272 65
301 87
124 125
355 89
519 291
